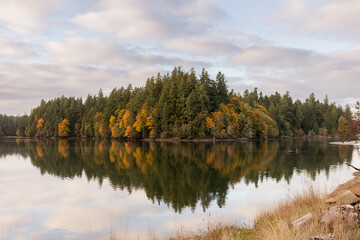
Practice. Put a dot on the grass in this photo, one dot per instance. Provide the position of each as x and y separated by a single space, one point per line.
216 231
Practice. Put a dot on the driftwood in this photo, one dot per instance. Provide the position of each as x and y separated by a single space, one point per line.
357 169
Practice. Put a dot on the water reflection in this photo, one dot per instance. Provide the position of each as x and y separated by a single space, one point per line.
179 174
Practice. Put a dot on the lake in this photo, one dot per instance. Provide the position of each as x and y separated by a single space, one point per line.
88 189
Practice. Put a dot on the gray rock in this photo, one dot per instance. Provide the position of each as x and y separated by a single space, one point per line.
353 216
330 216
349 212
301 221
344 212
330 236
346 197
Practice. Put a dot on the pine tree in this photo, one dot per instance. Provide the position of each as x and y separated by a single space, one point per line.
221 90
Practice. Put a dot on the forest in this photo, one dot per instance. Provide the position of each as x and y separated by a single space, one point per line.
180 104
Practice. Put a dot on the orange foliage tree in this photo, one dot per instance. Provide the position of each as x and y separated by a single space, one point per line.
99 124
141 120
129 132
40 127
63 128
113 125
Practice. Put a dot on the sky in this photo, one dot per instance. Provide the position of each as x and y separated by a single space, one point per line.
75 47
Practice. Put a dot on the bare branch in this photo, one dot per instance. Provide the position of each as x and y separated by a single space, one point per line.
357 169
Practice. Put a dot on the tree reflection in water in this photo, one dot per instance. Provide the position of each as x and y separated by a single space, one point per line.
180 174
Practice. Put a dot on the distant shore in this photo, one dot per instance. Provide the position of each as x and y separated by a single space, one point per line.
175 139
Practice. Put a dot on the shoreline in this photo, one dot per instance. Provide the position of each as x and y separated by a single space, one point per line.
175 139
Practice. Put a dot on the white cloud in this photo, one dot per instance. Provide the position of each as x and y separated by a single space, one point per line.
107 53
322 18
14 49
90 51
150 20
200 46
271 56
23 16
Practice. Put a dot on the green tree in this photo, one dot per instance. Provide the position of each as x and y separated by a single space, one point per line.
343 128
221 90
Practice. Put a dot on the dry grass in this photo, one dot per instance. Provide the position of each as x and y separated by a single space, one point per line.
218 231
277 225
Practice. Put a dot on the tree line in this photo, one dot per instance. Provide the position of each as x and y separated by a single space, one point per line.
179 104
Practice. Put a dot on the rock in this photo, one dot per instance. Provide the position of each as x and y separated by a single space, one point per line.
331 200
346 197
353 216
301 221
330 216
347 207
330 236
355 190
349 212
343 212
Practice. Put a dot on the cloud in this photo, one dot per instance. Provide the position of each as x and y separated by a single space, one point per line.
23 16
300 71
200 46
271 56
322 18
11 49
107 53
150 20
91 51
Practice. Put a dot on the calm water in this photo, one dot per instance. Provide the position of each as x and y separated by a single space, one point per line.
59 189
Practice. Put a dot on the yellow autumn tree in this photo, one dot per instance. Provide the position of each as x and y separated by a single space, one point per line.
151 122
141 120
40 127
129 132
236 103
219 130
125 119
63 128
232 118
112 123
210 123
